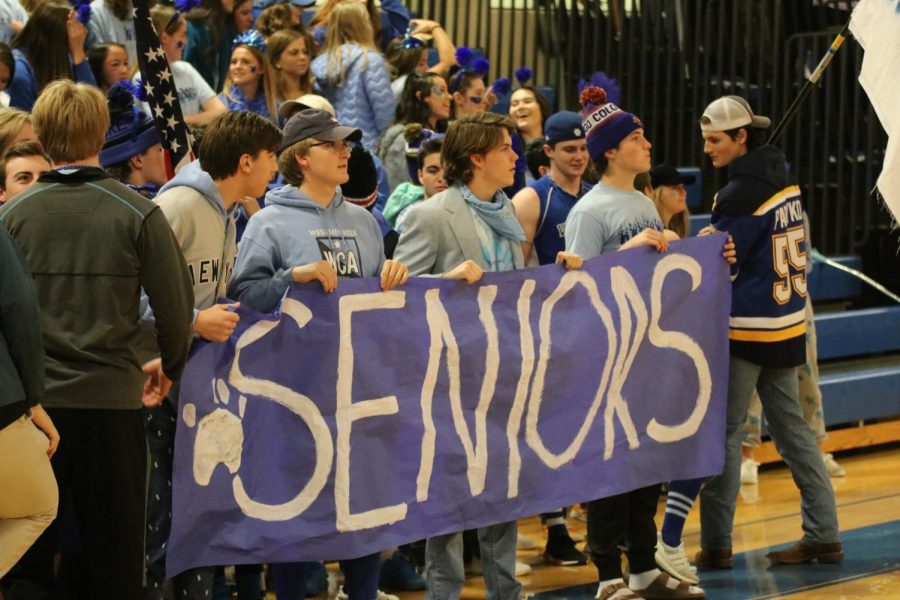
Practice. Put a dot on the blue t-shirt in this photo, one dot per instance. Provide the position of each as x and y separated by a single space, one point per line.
607 217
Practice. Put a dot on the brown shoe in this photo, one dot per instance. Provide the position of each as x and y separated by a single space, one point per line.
804 551
714 559
666 587
610 590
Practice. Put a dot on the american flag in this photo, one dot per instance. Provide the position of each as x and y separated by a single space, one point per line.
159 88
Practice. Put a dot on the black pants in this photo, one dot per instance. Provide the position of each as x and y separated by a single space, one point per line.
101 464
623 520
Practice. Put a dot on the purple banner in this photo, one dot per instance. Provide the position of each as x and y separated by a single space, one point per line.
357 421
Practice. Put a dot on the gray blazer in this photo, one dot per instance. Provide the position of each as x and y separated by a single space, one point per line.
439 234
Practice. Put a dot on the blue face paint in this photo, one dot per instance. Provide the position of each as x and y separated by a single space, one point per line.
437 91
179 44
475 99
253 69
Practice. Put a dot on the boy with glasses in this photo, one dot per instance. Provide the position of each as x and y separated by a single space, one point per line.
308 232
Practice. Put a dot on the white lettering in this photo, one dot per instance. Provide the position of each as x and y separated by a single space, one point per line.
298 404
514 424
348 411
681 342
532 435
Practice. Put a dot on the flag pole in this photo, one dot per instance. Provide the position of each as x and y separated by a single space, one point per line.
810 83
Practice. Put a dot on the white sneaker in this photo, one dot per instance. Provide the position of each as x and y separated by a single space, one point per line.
526 543
749 472
674 561
522 569
342 595
832 466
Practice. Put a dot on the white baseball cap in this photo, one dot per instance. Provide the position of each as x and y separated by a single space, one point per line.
731 112
287 109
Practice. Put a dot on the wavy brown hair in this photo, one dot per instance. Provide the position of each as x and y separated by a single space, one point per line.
277 44
476 133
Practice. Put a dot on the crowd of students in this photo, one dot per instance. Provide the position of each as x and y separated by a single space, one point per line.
329 121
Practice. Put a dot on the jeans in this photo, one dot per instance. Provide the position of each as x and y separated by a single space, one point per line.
795 442
445 572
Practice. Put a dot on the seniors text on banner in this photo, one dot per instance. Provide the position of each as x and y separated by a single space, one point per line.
361 420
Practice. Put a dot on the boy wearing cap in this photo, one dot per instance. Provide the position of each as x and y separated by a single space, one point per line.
761 208
306 233
21 166
543 206
614 216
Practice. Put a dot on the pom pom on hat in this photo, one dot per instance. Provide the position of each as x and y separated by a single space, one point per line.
592 97
523 74
464 56
481 66
502 86
605 124
131 131
604 81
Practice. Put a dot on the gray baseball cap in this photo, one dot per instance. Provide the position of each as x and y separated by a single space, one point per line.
313 123
731 112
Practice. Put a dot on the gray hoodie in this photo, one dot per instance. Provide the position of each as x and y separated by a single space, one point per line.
204 230
292 230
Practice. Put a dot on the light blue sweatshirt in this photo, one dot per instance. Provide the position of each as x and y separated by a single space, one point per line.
292 230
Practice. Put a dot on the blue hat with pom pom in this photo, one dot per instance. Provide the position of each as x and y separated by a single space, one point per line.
604 124
131 131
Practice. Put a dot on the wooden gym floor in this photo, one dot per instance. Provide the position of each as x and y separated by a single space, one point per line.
767 516
868 500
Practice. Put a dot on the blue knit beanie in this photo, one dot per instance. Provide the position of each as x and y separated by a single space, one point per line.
605 124
131 131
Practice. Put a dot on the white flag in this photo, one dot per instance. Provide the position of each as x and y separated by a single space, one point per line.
876 25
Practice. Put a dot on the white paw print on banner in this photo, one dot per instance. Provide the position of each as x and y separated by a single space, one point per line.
220 435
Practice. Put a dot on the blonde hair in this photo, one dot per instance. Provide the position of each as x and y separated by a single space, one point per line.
71 120
320 19
348 24
680 223
287 161
165 19
266 82
11 122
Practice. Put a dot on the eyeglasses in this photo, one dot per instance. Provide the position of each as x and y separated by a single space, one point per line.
338 147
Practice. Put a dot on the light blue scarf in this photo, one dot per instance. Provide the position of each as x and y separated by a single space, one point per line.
498 215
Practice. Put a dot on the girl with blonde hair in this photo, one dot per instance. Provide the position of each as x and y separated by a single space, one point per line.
388 21
250 82
353 75
199 103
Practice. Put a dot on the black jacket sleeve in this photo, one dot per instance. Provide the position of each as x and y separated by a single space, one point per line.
167 282
20 319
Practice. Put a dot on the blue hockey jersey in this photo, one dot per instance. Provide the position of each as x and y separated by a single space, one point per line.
761 208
